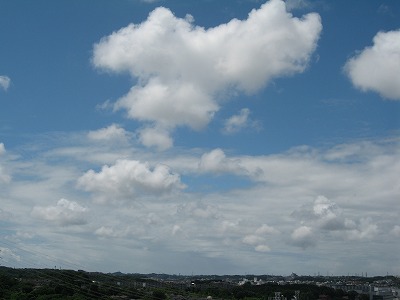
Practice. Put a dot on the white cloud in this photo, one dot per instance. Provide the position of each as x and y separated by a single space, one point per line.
105 232
328 214
8 255
253 240
217 162
262 248
376 68
176 229
112 133
303 237
2 149
155 137
169 104
64 213
258 239
343 197
239 122
183 69
199 210
229 226
119 230
128 179
5 82
266 230
326 217
4 177
365 230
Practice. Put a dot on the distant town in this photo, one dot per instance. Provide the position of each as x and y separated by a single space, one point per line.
78 284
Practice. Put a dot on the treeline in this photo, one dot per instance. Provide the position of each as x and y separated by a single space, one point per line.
26 284
41 284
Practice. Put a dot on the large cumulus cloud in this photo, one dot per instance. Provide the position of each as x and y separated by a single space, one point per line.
182 69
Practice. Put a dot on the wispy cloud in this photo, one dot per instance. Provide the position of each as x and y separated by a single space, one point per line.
240 122
150 1
113 133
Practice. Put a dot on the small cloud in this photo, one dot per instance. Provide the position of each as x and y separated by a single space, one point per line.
112 133
303 237
64 213
328 214
106 105
365 230
5 82
229 226
152 219
376 68
217 162
106 232
199 210
323 214
239 122
253 240
262 248
155 137
265 230
257 241
176 229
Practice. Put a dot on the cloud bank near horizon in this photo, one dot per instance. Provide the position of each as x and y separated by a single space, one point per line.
303 199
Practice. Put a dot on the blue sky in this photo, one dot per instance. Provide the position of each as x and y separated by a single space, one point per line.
206 137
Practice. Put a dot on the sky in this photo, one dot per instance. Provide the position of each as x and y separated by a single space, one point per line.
200 137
